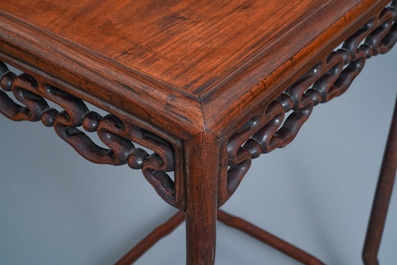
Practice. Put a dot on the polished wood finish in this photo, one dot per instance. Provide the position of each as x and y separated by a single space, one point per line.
255 73
206 86
177 42
277 124
73 119
202 169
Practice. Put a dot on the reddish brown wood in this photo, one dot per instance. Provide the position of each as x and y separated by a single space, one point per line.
151 239
268 238
141 73
203 84
382 196
74 117
177 42
202 170
273 70
276 125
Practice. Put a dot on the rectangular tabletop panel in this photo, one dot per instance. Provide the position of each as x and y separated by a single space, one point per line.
170 62
184 43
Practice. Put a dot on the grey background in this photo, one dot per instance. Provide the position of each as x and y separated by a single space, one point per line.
57 208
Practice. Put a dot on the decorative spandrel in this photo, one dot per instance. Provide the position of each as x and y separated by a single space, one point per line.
277 125
119 135
264 130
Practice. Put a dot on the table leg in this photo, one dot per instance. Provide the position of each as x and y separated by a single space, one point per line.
382 197
267 238
161 231
202 169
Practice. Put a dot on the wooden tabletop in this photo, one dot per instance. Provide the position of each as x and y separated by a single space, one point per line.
176 64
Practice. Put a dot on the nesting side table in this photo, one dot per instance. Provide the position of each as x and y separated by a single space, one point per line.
206 86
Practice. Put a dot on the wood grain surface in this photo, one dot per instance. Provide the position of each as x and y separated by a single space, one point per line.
209 81
182 66
186 44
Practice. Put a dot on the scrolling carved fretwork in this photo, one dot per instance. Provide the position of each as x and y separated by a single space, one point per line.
117 134
273 128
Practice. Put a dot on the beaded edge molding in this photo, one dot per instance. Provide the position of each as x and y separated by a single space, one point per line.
331 77
119 135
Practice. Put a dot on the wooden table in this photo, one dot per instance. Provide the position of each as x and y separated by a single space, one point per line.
204 86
